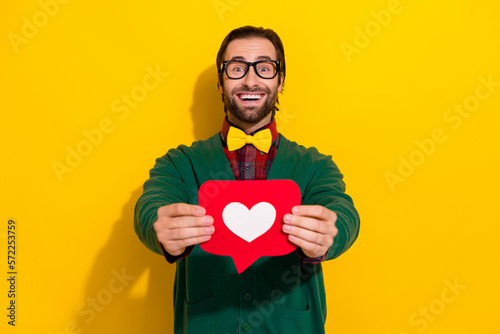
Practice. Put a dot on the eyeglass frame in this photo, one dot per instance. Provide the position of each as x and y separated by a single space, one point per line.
251 64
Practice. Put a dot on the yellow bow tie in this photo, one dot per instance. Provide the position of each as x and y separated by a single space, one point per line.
236 139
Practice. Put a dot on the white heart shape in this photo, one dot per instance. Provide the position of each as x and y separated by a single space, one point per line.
249 224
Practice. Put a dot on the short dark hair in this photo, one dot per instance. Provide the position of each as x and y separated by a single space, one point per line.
249 32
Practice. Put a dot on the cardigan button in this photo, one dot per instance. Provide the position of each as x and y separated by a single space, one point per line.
247 296
246 326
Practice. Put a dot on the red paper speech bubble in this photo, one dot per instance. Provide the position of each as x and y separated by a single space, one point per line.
248 218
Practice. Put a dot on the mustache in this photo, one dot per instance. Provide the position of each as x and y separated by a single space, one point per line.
254 90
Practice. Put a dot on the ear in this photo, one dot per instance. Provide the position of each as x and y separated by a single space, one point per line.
219 85
280 87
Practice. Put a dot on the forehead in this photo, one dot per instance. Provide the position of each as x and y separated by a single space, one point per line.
250 49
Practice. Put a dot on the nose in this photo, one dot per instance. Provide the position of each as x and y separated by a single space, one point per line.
251 79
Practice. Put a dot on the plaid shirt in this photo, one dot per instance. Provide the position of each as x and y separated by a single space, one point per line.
248 163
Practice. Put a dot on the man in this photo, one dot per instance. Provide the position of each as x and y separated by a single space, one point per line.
283 294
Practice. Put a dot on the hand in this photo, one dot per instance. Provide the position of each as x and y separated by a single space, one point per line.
312 228
181 225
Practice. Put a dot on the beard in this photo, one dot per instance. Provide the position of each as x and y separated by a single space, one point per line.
250 114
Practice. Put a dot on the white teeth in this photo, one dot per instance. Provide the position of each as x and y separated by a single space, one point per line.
249 96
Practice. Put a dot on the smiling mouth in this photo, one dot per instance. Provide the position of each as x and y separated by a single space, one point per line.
250 97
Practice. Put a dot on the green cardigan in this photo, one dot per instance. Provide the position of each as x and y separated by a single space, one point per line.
282 294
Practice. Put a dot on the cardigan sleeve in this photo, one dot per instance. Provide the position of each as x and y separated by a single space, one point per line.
327 188
165 186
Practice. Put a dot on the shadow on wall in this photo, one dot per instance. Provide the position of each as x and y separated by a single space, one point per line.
207 109
130 288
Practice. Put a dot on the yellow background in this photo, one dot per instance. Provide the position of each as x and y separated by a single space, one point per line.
436 226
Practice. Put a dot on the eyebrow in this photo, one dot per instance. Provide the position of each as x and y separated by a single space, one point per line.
258 58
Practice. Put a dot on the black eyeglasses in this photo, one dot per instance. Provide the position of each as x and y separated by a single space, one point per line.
237 69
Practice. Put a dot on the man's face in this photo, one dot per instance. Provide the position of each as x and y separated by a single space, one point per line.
263 92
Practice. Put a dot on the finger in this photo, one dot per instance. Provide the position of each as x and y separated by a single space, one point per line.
188 221
181 209
177 247
188 233
310 249
314 211
168 224
311 236
312 224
